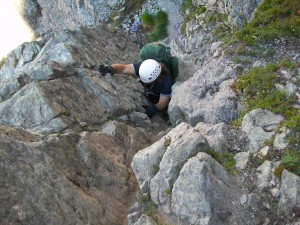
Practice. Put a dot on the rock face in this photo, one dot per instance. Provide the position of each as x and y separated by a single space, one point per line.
72 165
67 14
59 87
207 96
74 14
239 12
186 183
64 179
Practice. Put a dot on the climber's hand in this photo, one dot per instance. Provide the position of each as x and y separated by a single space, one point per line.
150 110
103 69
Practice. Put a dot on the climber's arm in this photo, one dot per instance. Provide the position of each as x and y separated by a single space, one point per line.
123 69
163 102
117 69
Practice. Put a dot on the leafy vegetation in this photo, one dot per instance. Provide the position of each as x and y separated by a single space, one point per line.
222 31
169 190
214 16
229 162
156 24
278 171
291 161
227 159
258 90
147 20
150 208
149 205
66 113
273 19
257 160
186 4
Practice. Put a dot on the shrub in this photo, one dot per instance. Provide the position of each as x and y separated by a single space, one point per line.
161 17
148 20
157 24
158 34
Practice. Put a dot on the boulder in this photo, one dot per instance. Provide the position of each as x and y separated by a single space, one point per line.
207 96
202 193
259 126
241 160
265 176
157 166
185 143
216 135
289 203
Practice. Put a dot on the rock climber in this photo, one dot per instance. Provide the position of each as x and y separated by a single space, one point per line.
155 78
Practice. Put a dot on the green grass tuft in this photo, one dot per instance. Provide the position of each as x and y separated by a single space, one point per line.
273 19
227 159
186 4
215 16
259 91
291 161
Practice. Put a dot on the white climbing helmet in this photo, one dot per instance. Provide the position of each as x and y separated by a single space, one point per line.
149 70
